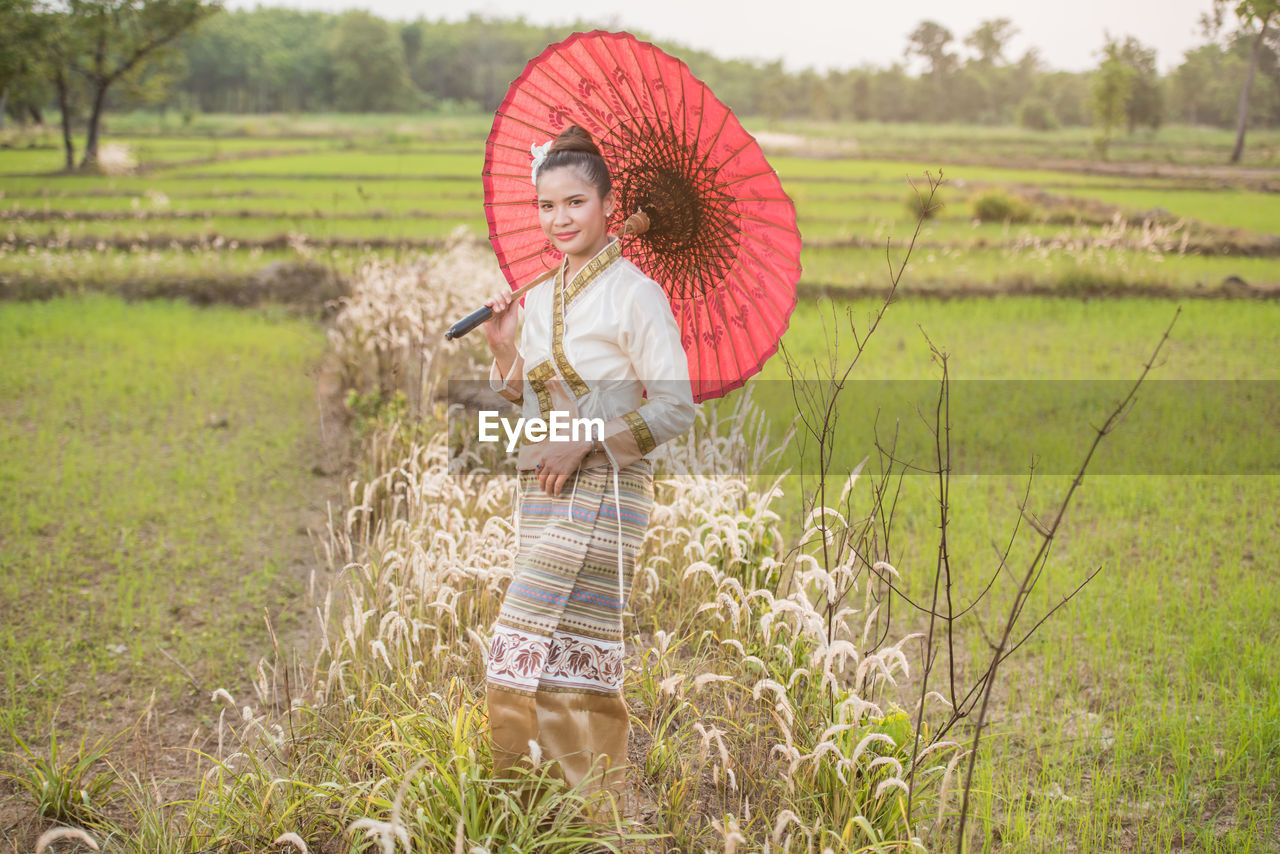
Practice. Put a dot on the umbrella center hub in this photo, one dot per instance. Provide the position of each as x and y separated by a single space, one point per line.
693 236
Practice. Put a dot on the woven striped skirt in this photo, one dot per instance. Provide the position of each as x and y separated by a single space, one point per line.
556 658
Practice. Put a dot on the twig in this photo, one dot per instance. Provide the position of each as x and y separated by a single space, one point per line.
194 682
1027 581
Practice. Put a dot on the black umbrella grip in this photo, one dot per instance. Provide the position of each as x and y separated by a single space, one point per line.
471 321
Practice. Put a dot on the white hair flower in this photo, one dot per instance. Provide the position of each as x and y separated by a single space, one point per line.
539 154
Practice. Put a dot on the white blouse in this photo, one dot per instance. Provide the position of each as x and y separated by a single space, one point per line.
605 346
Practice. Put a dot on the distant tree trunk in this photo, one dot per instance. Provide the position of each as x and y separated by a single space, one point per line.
4 102
90 160
64 105
1242 115
36 115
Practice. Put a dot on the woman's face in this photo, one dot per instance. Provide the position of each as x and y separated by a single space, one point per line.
572 214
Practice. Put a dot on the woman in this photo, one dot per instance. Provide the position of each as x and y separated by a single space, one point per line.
599 341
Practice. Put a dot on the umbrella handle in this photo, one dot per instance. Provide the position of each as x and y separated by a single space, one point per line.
483 313
466 324
636 224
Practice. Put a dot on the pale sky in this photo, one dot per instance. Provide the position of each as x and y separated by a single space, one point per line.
825 35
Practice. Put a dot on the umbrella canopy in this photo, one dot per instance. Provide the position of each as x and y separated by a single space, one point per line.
722 242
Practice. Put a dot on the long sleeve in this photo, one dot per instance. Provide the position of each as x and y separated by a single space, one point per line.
511 386
650 338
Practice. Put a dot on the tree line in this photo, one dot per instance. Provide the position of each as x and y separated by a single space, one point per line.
81 56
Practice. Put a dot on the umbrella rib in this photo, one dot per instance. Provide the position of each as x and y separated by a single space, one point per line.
767 270
666 91
747 178
657 69
768 262
595 114
635 98
521 121
523 230
711 143
722 295
524 258
745 304
777 314
767 222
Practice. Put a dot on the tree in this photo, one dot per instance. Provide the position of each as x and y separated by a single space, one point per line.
1260 13
990 39
369 69
102 41
1112 88
929 41
19 47
1145 105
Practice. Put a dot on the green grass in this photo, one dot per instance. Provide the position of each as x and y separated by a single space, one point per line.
1150 701
133 525
390 164
1071 273
1172 144
1258 212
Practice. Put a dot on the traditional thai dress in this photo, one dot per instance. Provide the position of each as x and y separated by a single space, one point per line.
604 345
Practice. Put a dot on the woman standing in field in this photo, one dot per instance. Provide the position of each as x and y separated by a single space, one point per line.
598 337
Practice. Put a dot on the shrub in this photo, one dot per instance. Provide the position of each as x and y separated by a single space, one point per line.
920 207
1036 114
1000 207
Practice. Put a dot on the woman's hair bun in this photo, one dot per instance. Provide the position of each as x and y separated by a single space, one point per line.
575 148
575 138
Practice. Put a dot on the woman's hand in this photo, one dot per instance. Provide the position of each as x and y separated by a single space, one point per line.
501 330
559 462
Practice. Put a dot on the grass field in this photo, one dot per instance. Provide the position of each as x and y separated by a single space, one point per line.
1146 715
156 466
158 458
1131 228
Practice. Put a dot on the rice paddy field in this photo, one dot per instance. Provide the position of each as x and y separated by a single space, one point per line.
163 462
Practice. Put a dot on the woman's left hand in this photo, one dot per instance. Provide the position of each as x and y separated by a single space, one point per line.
559 462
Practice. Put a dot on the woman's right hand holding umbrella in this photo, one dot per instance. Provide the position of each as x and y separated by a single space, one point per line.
500 330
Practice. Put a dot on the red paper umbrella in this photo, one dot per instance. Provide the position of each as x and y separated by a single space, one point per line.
722 241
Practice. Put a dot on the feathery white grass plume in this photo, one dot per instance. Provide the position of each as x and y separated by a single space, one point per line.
891 783
293 839
933 695
780 823
668 686
867 741
944 788
710 734
835 729
852 480
384 831
886 760
731 833
884 566
53 834
535 752
782 703
704 679
822 750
